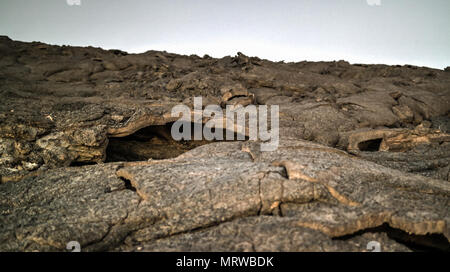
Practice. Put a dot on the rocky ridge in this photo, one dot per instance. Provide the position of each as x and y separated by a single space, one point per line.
85 154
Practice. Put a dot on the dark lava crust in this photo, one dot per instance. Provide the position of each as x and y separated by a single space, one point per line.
86 154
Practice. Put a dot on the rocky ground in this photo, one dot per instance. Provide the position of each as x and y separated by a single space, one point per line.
86 154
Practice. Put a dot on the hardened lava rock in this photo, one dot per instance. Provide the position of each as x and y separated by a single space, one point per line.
86 154
227 197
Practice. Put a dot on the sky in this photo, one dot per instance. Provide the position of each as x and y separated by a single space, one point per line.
413 32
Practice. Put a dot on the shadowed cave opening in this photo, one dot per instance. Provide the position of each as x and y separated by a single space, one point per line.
428 242
370 145
152 142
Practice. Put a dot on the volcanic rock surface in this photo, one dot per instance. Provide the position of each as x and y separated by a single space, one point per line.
86 154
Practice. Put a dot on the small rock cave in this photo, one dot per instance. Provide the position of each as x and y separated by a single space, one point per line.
418 243
152 142
370 145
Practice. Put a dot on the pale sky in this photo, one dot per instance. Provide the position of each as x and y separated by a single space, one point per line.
394 32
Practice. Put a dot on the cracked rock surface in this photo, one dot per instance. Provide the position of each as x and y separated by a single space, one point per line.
86 154
299 197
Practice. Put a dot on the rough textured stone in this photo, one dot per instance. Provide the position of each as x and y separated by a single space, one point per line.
313 192
363 156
